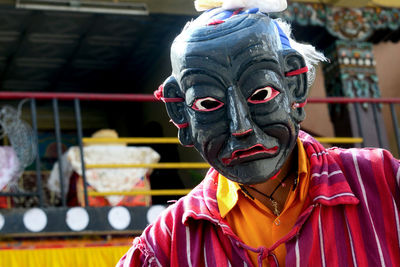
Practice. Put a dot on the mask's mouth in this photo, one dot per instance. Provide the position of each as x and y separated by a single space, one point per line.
252 153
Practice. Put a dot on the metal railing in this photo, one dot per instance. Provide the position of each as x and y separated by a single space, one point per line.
78 97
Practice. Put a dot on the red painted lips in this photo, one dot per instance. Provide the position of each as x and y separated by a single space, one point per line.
254 152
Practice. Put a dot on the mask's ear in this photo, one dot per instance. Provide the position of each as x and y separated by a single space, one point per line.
296 80
174 101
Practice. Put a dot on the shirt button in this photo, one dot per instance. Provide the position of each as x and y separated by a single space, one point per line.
277 222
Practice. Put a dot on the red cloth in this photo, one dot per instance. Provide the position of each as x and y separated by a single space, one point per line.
351 218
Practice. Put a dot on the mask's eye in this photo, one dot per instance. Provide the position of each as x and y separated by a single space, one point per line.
263 95
207 104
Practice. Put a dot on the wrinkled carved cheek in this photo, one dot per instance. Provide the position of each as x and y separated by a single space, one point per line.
271 120
207 140
280 133
217 145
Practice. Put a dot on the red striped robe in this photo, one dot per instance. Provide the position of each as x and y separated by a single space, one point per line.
351 218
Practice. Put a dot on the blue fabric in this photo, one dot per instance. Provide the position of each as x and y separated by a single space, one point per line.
284 39
225 14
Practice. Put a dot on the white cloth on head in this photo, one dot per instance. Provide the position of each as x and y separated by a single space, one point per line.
265 6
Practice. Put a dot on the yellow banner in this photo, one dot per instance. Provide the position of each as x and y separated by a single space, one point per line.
62 257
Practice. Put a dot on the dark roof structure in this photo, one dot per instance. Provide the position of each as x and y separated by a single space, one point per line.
85 52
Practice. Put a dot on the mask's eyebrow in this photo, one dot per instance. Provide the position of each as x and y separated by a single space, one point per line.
186 73
273 64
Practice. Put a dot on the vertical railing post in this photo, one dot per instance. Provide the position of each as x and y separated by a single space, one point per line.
395 126
39 189
78 120
59 149
376 122
358 119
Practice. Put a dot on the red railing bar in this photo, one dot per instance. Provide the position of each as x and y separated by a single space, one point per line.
151 98
346 100
80 96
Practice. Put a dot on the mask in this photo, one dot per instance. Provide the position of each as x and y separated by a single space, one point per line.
232 98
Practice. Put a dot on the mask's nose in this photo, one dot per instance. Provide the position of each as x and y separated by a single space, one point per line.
238 113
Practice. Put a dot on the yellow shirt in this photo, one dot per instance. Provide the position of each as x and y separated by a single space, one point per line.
254 223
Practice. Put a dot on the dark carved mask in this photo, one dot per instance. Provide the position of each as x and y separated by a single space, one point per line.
237 103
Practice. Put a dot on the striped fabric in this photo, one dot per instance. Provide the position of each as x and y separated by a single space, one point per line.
351 218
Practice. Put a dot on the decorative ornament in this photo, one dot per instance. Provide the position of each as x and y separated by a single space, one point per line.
265 6
19 133
23 149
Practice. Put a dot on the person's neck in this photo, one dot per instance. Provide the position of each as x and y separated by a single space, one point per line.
278 189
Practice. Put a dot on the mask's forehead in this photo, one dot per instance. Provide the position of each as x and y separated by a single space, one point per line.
230 43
